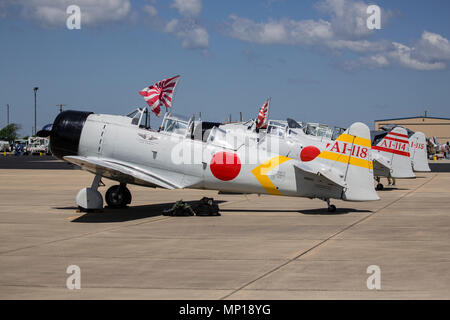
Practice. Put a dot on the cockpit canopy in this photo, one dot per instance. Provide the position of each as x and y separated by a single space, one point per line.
140 117
277 128
172 123
177 124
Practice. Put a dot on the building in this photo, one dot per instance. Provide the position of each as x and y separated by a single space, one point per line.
430 126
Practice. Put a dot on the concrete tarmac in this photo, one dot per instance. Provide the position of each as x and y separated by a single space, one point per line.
260 248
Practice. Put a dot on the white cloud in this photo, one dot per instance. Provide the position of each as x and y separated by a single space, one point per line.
431 53
359 46
403 55
346 30
285 31
151 10
188 29
93 12
191 8
192 35
301 32
432 47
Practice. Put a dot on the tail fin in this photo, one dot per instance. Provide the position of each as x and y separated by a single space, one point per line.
350 157
393 152
418 152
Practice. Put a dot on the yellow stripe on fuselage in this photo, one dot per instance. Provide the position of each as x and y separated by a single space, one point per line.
346 159
261 171
355 140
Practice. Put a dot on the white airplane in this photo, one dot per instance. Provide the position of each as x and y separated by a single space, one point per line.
390 150
417 148
186 153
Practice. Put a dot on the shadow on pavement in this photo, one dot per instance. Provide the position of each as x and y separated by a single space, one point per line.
322 211
338 211
392 189
125 214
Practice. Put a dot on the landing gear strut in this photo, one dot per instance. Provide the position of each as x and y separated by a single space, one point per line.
379 185
118 196
331 207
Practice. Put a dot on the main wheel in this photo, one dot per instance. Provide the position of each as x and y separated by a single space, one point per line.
118 196
380 187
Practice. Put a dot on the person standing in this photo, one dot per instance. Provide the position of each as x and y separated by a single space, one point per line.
16 149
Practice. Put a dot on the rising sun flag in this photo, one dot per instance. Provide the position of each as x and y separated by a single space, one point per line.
160 94
263 116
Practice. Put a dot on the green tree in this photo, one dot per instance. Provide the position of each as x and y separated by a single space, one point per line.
9 133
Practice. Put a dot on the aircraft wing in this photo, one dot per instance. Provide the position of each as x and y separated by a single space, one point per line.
130 173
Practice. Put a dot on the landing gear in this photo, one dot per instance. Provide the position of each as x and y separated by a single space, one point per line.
379 186
118 196
331 207
90 198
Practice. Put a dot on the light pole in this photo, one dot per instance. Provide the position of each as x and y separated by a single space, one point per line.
7 114
35 91
60 106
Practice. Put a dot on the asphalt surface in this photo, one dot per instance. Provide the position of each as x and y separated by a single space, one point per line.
33 162
263 247
440 167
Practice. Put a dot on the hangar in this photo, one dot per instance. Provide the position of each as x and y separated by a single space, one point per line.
430 126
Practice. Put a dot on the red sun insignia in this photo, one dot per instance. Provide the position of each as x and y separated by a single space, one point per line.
225 165
309 153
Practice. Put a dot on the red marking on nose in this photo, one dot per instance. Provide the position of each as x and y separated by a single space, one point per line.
225 165
309 153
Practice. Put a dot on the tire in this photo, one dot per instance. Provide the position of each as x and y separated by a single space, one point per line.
118 196
332 208
380 187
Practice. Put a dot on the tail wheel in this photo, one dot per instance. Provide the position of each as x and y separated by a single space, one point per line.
380 187
332 208
118 196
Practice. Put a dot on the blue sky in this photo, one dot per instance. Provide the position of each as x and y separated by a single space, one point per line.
316 61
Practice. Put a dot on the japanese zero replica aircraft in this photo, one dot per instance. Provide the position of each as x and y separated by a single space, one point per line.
417 148
185 153
390 150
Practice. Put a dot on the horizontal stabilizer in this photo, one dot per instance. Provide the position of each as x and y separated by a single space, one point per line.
323 176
